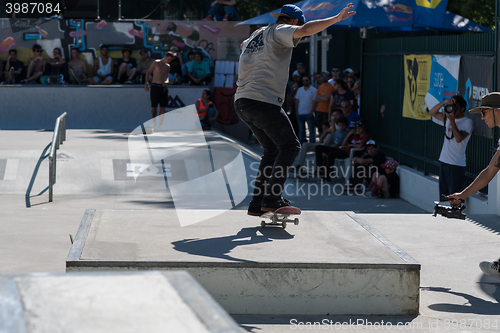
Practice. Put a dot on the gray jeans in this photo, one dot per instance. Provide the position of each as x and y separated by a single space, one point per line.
272 128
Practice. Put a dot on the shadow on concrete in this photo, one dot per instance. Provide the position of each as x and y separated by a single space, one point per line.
489 222
219 247
474 304
28 196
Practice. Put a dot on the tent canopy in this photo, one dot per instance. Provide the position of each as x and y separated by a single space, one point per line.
389 15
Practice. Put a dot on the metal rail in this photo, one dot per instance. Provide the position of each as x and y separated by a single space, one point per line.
57 139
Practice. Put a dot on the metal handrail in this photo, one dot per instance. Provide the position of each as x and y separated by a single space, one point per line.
57 139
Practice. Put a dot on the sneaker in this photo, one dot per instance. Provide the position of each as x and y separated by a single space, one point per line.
24 81
208 18
369 195
254 209
226 18
271 206
490 268
128 82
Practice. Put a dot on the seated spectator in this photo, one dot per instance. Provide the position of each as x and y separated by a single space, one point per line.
36 66
175 74
304 104
57 66
206 109
198 71
77 68
336 114
356 91
356 140
385 186
127 67
13 68
185 67
222 8
322 98
350 114
326 139
366 166
103 67
143 66
340 93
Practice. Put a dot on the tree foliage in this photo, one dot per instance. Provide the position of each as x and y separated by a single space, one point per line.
479 11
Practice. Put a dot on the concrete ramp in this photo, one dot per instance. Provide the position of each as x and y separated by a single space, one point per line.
331 263
109 302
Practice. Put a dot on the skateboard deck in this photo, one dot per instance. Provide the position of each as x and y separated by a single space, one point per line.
280 217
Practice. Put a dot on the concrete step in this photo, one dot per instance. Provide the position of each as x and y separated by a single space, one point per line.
109 302
331 263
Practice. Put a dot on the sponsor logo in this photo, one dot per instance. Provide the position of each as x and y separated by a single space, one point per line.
473 94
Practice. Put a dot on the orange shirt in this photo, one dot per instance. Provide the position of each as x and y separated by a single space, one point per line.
324 90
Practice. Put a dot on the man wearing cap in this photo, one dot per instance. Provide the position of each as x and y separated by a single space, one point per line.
457 130
127 66
143 65
490 113
348 71
365 166
263 72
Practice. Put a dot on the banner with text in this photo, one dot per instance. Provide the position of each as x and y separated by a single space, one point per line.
417 69
475 81
444 79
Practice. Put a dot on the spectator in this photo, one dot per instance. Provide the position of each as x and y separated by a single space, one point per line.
222 8
13 68
36 66
340 93
350 80
366 166
317 80
104 67
348 72
143 66
206 109
77 67
304 104
349 113
457 128
336 114
385 186
127 67
158 84
175 74
326 139
356 91
356 140
57 66
322 99
300 70
198 71
335 75
293 112
185 67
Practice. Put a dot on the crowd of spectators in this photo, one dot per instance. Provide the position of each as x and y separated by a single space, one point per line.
189 68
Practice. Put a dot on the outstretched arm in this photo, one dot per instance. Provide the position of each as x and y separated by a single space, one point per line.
313 27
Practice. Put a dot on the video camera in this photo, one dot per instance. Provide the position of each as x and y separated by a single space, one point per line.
450 108
453 212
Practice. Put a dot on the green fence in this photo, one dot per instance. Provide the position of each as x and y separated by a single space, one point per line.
413 142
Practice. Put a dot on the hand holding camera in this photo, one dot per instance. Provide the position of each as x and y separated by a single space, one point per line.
455 211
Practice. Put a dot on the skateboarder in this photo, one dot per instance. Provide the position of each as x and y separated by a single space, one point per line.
263 73
159 92
490 113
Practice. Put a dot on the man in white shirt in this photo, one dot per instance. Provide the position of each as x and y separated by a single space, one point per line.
457 130
305 105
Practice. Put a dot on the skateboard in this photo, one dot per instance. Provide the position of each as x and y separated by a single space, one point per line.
280 217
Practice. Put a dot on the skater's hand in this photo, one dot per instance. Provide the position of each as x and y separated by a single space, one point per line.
456 198
345 13
146 87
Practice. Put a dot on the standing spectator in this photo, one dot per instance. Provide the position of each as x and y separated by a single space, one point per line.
457 128
158 86
175 74
350 80
143 66
367 165
304 104
198 71
13 68
335 75
77 67
347 72
300 70
293 112
322 99
185 67
349 113
104 67
340 94
58 65
222 8
127 67
36 66
206 109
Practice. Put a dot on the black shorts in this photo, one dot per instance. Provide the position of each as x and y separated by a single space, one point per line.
159 94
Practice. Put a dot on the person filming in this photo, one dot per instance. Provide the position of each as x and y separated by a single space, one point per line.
457 130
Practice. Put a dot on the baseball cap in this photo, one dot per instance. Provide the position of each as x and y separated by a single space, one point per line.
360 123
296 73
126 48
143 51
371 143
174 48
489 101
390 164
348 70
291 11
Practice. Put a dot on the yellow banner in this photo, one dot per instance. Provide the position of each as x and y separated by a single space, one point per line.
417 80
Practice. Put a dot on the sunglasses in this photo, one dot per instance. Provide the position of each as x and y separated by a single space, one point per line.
483 114
37 51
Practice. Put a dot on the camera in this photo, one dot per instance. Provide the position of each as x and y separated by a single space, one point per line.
450 108
452 212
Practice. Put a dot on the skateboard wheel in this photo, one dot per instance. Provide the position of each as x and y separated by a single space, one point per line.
296 221
283 224
263 224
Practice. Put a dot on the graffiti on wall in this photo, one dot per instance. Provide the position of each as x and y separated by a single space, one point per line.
156 36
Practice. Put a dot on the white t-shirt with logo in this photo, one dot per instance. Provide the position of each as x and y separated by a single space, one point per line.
264 64
306 99
453 152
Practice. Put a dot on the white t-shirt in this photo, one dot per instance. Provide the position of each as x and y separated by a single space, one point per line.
306 99
264 64
453 152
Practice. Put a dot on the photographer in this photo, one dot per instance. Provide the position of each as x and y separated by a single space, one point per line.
457 130
490 113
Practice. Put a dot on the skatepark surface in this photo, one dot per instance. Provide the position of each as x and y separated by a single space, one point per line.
34 234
